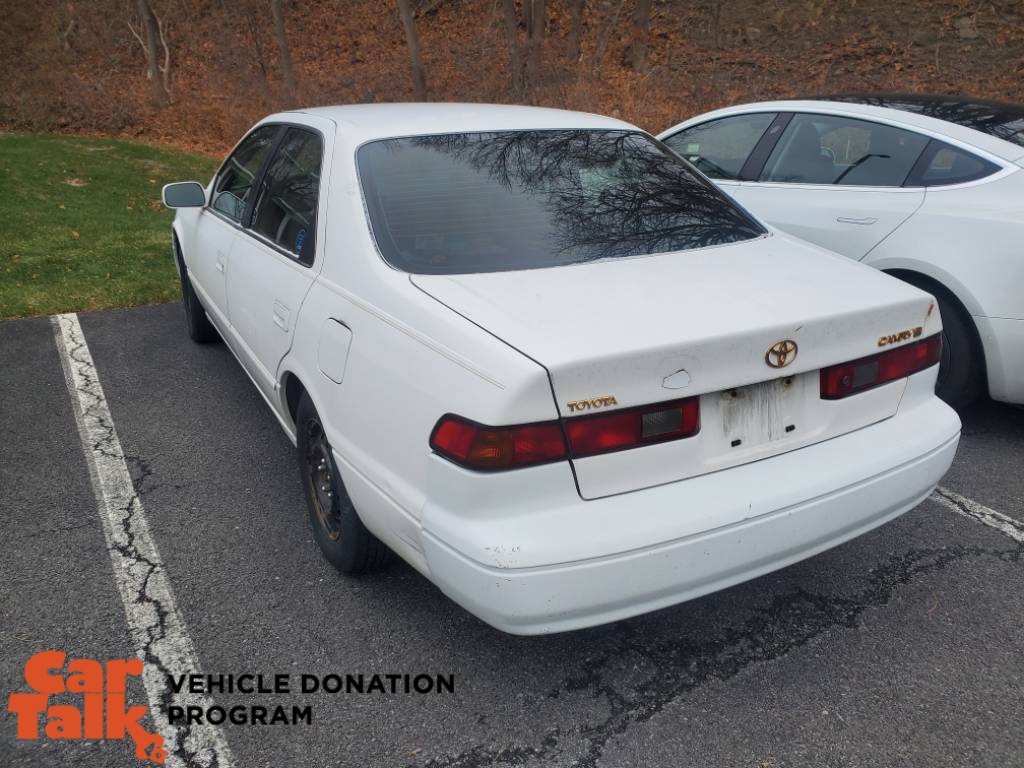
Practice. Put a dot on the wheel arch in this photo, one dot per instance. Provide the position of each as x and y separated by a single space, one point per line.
292 390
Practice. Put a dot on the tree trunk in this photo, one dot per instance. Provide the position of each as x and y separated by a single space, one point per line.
534 39
151 29
515 57
576 28
254 32
419 81
287 71
641 21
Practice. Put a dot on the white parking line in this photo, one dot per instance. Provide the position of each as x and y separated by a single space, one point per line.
158 632
975 511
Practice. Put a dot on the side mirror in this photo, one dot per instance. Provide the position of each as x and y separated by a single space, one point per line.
184 194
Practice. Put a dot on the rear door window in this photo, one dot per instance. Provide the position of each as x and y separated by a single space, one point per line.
497 201
721 147
828 149
233 187
285 211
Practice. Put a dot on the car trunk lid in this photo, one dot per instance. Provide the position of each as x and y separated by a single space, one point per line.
631 332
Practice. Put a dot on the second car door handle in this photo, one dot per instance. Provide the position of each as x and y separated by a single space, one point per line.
281 316
853 220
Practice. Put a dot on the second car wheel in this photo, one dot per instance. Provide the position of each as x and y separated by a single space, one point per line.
960 368
338 531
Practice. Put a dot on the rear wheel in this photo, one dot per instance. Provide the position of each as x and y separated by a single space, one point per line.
338 531
961 376
198 325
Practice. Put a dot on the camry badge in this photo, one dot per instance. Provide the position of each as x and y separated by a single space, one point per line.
781 353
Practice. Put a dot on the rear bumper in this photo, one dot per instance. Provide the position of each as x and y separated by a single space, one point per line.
1003 340
766 515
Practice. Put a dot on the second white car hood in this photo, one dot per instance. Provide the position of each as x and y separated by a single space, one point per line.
621 327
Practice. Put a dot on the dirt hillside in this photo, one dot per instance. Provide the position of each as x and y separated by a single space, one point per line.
77 66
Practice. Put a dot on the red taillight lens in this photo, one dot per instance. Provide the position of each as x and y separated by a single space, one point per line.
845 379
632 427
495 448
483 448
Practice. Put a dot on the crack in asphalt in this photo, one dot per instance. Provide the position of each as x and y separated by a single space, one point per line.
790 622
144 581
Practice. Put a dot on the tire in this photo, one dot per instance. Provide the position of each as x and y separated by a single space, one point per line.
198 325
961 367
336 526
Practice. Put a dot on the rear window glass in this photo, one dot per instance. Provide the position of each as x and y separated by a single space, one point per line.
490 202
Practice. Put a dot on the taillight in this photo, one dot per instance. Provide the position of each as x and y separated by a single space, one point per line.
495 448
845 379
484 448
632 427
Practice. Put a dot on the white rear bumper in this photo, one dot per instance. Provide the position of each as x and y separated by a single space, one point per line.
752 519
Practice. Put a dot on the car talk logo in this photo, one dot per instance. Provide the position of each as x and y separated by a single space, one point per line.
89 696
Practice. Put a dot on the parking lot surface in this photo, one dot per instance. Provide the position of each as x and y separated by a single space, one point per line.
902 648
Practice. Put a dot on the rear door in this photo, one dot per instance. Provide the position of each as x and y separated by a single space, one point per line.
273 262
836 181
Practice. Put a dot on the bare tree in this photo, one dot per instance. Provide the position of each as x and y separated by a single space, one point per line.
419 81
287 71
515 54
68 25
525 60
641 22
716 21
246 9
576 28
536 22
159 74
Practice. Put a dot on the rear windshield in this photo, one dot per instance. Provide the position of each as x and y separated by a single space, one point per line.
491 202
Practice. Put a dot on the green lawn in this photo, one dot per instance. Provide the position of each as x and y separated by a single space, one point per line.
81 223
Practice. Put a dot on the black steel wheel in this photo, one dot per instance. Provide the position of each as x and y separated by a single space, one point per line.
336 527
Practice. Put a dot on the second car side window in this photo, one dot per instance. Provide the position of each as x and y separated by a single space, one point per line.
827 149
950 165
721 147
233 187
287 201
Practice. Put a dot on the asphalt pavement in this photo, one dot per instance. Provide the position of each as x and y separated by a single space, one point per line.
904 647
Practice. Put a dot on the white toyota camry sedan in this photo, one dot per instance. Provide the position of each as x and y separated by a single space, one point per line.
548 364
927 188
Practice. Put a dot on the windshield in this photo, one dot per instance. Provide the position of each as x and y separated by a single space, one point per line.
490 202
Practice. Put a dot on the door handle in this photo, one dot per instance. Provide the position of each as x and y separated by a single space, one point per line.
281 315
852 220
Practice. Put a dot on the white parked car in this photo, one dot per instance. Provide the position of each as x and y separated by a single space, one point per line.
548 364
927 188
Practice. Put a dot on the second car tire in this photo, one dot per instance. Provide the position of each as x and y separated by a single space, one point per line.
960 368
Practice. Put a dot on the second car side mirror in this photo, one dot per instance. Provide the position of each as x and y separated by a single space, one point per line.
184 194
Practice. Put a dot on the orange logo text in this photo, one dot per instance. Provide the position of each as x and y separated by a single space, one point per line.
100 713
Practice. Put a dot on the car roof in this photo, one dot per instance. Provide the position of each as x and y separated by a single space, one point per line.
996 118
367 122
855 106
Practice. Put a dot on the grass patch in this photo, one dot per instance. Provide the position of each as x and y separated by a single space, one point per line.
83 227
